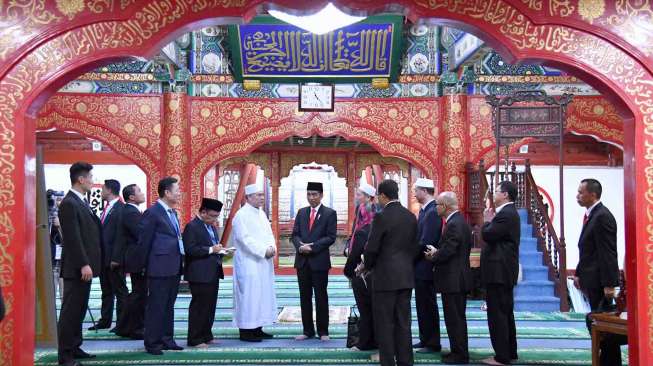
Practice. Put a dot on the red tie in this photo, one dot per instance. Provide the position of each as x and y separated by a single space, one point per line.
585 219
312 219
444 224
104 213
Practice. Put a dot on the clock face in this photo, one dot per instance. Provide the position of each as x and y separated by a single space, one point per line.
316 98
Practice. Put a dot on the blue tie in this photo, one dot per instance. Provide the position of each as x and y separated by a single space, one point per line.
211 234
175 223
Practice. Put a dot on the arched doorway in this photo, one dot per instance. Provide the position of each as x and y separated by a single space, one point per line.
54 45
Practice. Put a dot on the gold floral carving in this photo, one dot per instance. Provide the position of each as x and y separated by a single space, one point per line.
591 9
533 4
366 160
70 8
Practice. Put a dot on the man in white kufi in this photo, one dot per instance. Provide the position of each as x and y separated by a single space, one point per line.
255 303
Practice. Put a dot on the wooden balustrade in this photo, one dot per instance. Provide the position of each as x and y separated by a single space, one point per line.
555 256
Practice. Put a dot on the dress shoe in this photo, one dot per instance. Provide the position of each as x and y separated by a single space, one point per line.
113 330
173 347
452 359
100 326
248 335
418 345
82 354
325 338
154 351
493 362
261 334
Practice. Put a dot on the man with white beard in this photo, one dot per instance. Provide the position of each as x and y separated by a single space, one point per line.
255 303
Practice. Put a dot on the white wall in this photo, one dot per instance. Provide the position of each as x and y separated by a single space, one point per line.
57 176
612 180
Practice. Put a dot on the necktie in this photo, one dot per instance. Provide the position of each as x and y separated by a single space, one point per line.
585 219
175 223
104 213
444 226
311 220
211 234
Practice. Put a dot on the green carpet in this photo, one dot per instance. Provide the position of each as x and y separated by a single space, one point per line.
298 356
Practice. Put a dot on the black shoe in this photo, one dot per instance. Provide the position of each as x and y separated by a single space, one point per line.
172 347
81 354
248 335
113 330
452 359
261 334
154 351
100 326
418 345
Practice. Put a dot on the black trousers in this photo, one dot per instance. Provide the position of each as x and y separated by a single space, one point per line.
610 354
428 318
73 310
201 312
314 282
454 305
363 296
501 321
114 286
160 312
131 319
392 321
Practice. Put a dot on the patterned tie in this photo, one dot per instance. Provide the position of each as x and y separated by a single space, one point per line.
175 223
211 234
311 220
585 219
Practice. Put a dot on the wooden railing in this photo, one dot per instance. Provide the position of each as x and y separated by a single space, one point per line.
554 249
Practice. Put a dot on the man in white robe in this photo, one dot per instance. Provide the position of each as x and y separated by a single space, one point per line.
255 303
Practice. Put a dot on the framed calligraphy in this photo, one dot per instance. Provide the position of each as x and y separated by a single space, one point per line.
273 51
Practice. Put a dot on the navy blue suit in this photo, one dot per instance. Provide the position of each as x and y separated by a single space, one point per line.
429 229
313 268
112 281
131 320
203 272
162 257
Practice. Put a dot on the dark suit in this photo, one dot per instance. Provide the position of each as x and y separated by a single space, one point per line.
429 228
390 254
112 281
313 268
452 277
598 267
203 272
362 290
82 237
159 241
131 319
499 271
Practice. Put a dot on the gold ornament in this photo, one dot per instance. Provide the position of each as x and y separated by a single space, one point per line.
591 9
70 8
129 128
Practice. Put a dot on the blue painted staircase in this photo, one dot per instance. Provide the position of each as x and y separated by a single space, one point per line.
536 291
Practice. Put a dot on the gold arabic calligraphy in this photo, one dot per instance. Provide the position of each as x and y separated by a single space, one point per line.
365 51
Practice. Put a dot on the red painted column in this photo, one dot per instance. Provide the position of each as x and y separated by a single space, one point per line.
175 148
455 144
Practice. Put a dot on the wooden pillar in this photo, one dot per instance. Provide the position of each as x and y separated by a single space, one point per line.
455 146
175 148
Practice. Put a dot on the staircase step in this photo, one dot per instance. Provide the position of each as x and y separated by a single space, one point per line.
530 258
534 288
530 273
537 303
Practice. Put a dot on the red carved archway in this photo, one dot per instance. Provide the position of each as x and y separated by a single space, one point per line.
42 48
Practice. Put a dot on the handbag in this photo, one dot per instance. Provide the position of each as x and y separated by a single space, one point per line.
352 328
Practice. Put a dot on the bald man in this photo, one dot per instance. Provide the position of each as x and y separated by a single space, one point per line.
452 276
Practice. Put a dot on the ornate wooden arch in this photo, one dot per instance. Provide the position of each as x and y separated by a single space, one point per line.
42 47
